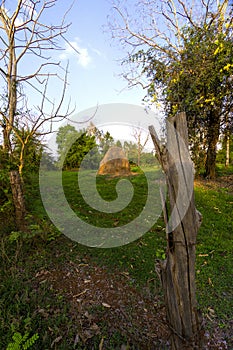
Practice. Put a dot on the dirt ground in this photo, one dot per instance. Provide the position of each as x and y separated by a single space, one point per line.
223 182
98 296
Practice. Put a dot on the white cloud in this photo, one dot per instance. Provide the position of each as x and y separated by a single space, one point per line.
74 49
96 51
84 58
19 22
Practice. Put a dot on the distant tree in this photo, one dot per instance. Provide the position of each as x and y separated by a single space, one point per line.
82 146
141 141
73 145
49 162
131 151
225 153
148 158
92 158
118 144
65 137
105 142
227 136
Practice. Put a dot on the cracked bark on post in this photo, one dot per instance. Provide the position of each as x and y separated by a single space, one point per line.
178 270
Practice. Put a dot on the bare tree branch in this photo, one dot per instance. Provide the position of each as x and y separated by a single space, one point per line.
159 26
23 32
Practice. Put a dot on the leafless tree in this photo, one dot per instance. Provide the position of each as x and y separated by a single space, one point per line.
141 141
25 38
26 63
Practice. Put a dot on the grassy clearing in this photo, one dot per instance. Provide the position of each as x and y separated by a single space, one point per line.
138 256
215 252
30 306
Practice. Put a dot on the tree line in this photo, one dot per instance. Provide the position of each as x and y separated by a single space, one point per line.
73 145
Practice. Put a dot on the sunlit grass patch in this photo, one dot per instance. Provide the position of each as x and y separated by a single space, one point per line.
215 252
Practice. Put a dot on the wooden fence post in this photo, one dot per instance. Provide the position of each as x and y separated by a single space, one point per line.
182 223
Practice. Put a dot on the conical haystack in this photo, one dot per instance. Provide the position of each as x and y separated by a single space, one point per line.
114 163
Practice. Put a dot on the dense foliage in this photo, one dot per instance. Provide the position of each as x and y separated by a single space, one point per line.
73 145
198 80
185 62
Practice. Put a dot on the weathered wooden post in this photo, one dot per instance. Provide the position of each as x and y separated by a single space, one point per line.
182 223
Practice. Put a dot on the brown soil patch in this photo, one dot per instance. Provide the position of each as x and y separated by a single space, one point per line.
223 182
99 297
102 300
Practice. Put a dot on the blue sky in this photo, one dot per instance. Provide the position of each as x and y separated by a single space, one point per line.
94 77
94 74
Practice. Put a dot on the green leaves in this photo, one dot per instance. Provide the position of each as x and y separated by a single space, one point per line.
73 145
78 150
22 342
196 79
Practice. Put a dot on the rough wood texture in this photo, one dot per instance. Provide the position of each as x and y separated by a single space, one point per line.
18 199
114 163
178 270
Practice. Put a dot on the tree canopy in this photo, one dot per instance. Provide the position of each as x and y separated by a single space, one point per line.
188 66
73 145
199 82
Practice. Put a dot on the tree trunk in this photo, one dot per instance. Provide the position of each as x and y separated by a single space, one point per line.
178 270
210 171
212 139
18 199
227 149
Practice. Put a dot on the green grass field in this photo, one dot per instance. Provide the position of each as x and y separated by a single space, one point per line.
27 305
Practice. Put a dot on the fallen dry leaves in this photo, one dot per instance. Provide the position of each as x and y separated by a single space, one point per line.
98 296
